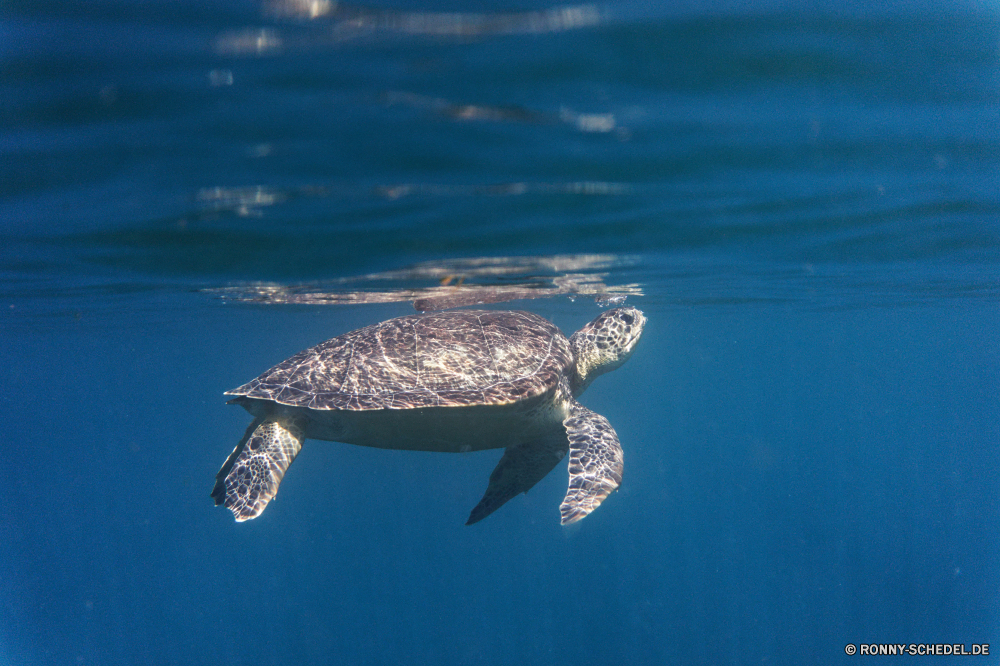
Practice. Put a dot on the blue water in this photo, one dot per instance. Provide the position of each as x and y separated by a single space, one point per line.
803 199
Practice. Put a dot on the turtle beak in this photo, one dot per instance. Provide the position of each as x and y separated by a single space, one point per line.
635 322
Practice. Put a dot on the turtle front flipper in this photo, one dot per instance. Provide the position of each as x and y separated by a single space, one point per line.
250 477
520 468
596 462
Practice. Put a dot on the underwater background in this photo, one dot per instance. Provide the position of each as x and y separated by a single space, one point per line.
801 197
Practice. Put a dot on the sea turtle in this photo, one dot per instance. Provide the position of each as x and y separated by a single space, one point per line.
453 381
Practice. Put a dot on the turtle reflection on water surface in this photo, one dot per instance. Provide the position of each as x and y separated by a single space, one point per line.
455 381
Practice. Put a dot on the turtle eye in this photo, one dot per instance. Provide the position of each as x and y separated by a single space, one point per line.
627 318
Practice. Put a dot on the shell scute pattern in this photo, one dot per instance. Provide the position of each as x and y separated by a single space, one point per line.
455 358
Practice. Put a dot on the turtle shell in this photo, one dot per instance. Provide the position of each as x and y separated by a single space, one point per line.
439 359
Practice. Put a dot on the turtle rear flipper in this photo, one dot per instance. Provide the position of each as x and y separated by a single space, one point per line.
596 463
250 477
520 468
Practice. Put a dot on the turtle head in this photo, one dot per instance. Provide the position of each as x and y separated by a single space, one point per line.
604 344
